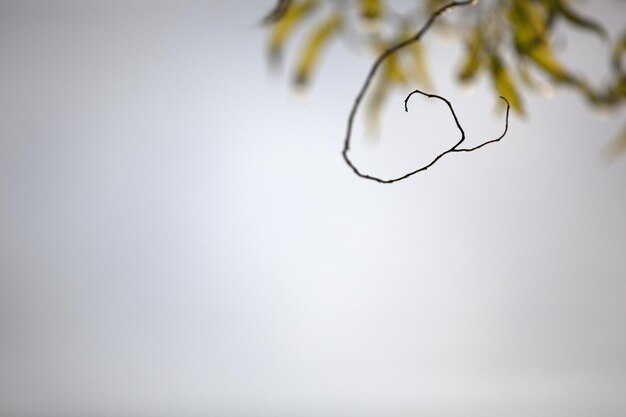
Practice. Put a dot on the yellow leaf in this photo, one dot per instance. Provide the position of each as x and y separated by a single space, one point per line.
525 74
277 13
542 56
375 103
371 9
313 47
393 69
421 68
528 22
392 66
618 146
283 27
504 84
618 54
473 58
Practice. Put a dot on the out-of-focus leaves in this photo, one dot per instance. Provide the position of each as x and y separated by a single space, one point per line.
318 39
277 12
420 66
525 74
618 146
543 57
486 31
529 31
552 13
371 9
433 5
618 55
393 69
398 69
564 9
528 23
473 60
375 103
294 14
620 88
504 83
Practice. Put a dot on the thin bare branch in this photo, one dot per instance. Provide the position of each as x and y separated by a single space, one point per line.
368 80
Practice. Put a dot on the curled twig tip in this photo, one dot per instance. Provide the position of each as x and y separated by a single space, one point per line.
368 80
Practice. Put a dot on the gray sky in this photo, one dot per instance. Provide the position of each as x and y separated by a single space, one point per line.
180 236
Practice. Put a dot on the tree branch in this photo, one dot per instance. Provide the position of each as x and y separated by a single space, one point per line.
368 80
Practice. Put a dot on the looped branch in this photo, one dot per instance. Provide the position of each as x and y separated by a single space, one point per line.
368 80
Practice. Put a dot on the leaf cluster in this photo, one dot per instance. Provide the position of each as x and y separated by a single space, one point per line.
511 42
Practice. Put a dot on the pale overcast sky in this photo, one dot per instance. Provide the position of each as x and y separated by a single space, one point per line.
179 235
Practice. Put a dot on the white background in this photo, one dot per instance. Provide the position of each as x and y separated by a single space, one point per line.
180 236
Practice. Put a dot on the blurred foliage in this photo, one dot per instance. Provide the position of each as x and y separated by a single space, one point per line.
511 42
